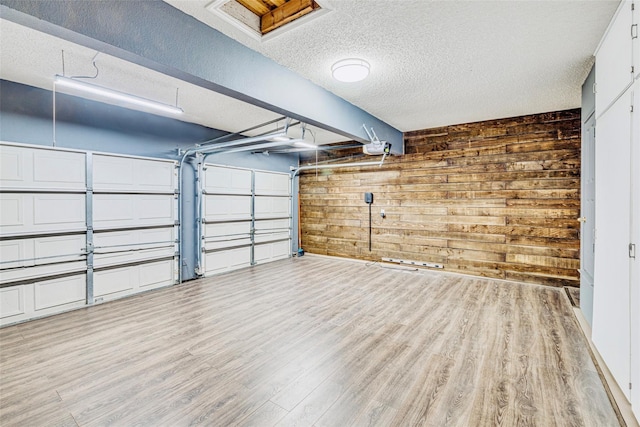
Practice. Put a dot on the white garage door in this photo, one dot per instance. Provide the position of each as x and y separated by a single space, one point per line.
135 206
42 232
246 217
76 225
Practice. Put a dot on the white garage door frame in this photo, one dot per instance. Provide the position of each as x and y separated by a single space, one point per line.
245 217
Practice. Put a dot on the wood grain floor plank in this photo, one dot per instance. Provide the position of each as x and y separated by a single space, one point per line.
375 414
309 341
307 412
265 416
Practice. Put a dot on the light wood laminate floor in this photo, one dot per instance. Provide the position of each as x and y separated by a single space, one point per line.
309 341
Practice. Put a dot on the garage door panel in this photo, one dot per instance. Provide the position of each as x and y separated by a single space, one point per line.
270 237
269 207
217 244
271 251
114 258
41 250
155 208
13 162
112 281
52 293
132 210
58 169
15 253
12 301
221 207
227 229
113 241
269 183
49 250
272 229
273 224
156 274
56 209
118 282
40 168
226 180
228 234
121 247
30 213
227 260
13 211
40 271
114 173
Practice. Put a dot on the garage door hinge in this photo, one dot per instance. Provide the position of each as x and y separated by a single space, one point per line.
634 31
632 250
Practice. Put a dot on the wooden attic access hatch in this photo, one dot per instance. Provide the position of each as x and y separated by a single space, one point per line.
261 18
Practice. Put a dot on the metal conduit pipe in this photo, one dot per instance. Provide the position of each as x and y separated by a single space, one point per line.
319 148
199 197
238 142
257 146
214 140
336 165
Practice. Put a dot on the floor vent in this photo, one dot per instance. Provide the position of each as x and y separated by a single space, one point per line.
413 263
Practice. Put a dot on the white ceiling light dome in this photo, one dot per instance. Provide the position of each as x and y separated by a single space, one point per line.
350 70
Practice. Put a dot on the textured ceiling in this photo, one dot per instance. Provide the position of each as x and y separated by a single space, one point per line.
432 63
436 63
34 58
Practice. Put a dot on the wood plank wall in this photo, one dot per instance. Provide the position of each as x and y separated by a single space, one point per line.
498 198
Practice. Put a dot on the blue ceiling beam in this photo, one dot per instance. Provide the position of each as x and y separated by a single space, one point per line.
160 37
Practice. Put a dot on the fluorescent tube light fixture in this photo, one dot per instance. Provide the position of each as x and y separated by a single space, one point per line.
350 70
305 144
280 138
116 95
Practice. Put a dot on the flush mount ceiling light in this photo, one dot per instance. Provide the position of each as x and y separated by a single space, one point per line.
116 95
350 70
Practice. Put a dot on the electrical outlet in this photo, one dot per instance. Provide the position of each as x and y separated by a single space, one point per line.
382 214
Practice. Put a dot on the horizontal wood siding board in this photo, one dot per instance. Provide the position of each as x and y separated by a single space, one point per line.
498 199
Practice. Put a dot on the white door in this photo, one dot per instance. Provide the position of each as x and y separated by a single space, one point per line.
587 209
611 313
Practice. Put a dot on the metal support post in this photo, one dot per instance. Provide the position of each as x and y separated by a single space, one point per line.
89 222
